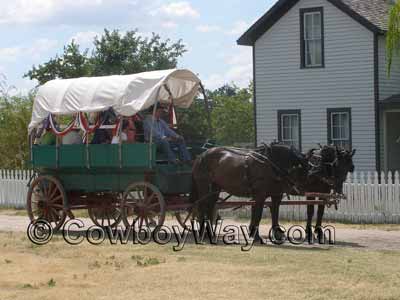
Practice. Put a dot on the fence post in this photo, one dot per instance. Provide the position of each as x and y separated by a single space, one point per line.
396 199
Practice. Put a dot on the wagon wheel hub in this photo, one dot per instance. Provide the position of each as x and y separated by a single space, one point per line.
142 205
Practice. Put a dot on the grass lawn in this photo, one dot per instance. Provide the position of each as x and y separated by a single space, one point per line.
60 271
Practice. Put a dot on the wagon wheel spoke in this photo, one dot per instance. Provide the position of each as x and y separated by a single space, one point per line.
152 206
56 198
59 206
149 199
140 223
47 188
55 190
131 204
145 194
51 216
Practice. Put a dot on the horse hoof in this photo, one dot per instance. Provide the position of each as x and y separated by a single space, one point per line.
277 235
320 235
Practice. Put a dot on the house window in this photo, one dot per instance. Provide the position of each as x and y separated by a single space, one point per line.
339 127
289 127
312 37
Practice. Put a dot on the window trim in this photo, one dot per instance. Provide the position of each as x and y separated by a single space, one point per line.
303 11
289 112
329 112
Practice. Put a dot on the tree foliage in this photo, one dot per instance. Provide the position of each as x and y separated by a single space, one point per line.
393 35
232 115
232 121
113 54
15 114
193 124
71 64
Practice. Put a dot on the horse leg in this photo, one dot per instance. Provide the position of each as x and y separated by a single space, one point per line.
274 208
318 228
256 215
310 215
212 204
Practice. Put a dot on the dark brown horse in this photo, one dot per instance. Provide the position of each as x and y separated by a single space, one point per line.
270 171
328 162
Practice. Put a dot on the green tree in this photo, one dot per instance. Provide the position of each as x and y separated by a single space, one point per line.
193 124
130 53
15 114
71 64
393 35
113 54
232 115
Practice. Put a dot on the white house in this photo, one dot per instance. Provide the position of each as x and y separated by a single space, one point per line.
320 77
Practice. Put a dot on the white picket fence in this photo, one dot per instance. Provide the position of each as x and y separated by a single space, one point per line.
13 188
371 198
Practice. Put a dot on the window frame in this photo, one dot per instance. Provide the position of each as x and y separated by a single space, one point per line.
303 12
285 112
340 110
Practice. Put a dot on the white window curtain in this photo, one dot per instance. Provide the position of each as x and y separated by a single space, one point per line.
340 129
290 129
313 39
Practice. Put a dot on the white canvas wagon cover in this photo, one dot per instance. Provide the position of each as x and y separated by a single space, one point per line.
126 94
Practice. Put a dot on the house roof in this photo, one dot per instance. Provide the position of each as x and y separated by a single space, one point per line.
373 14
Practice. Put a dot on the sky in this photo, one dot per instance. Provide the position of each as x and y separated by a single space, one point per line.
33 31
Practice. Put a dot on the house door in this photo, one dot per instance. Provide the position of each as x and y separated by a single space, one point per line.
392 140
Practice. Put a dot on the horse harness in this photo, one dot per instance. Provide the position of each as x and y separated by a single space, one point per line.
262 159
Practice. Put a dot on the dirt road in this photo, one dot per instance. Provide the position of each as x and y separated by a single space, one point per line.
373 239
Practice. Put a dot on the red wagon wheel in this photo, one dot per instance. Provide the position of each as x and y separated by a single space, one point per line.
106 214
142 205
46 200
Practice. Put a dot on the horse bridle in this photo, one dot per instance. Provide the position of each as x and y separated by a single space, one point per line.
325 175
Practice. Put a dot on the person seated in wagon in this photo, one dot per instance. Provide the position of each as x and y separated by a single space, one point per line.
164 137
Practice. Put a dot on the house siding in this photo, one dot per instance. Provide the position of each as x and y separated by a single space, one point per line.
346 81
